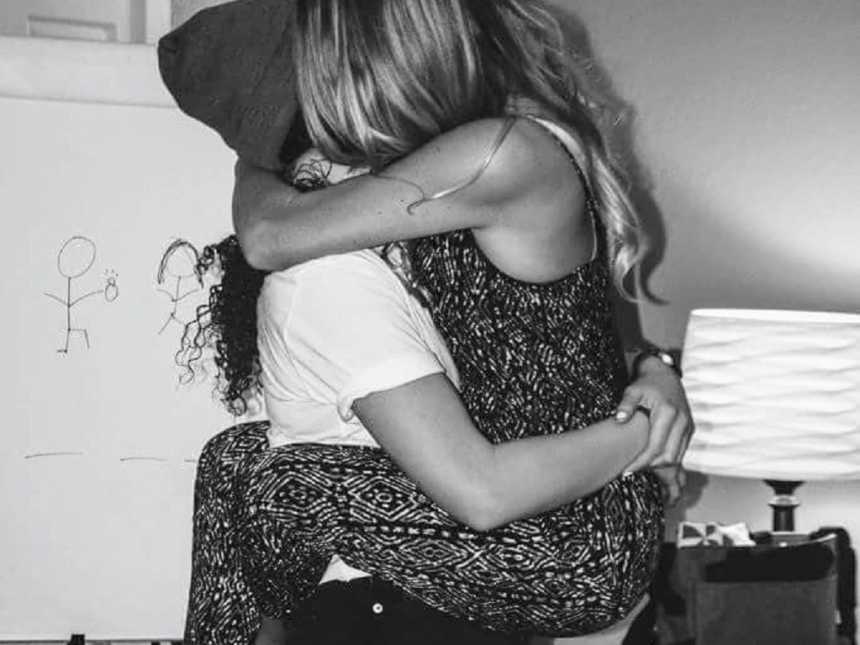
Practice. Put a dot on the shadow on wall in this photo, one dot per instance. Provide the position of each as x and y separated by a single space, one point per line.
622 142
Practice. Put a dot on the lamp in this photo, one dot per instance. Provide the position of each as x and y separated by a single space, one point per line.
775 395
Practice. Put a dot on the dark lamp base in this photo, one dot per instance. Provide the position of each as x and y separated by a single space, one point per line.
783 504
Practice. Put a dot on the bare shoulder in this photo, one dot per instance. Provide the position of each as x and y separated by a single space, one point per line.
511 139
502 159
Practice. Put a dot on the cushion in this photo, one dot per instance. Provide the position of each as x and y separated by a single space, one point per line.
230 66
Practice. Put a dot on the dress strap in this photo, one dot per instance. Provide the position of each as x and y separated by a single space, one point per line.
569 144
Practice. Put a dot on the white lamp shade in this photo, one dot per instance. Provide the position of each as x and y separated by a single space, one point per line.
774 394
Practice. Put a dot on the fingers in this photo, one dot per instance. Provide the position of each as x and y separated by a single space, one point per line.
630 401
678 441
672 493
662 419
672 480
671 430
691 428
673 449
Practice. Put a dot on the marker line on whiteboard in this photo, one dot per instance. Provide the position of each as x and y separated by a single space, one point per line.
161 459
38 455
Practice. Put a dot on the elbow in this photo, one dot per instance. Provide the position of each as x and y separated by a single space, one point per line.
255 240
251 242
261 238
482 521
482 510
266 235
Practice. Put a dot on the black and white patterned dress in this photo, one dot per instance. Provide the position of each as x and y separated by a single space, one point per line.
534 359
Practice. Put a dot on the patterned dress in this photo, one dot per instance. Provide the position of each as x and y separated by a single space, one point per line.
534 359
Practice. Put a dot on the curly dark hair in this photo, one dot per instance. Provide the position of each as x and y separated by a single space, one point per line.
227 323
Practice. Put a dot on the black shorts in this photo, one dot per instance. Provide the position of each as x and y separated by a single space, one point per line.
367 611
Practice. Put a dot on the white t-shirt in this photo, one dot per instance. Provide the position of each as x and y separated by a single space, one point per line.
331 331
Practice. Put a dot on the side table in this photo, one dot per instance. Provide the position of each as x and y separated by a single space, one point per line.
780 592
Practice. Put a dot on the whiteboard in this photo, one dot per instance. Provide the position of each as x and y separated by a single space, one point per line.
96 474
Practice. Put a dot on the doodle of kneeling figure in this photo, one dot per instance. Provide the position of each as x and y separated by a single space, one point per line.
76 257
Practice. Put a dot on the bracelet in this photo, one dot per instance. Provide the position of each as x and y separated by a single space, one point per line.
648 350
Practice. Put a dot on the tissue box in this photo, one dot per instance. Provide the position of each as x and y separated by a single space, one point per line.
713 534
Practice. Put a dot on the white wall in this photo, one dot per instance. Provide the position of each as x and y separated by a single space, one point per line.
184 9
92 541
747 119
108 20
122 21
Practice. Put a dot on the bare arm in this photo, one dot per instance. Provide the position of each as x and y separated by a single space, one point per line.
425 428
279 227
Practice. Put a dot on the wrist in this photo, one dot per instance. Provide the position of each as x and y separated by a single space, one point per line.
647 364
650 358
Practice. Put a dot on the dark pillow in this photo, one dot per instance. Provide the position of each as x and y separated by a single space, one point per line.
230 66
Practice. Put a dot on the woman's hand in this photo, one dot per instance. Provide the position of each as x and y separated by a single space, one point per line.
673 479
658 389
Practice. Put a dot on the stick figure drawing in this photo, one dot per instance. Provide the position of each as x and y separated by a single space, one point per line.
178 266
75 258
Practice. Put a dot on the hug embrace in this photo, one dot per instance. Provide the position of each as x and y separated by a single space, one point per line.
429 227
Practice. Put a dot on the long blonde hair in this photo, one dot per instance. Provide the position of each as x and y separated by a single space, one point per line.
377 79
